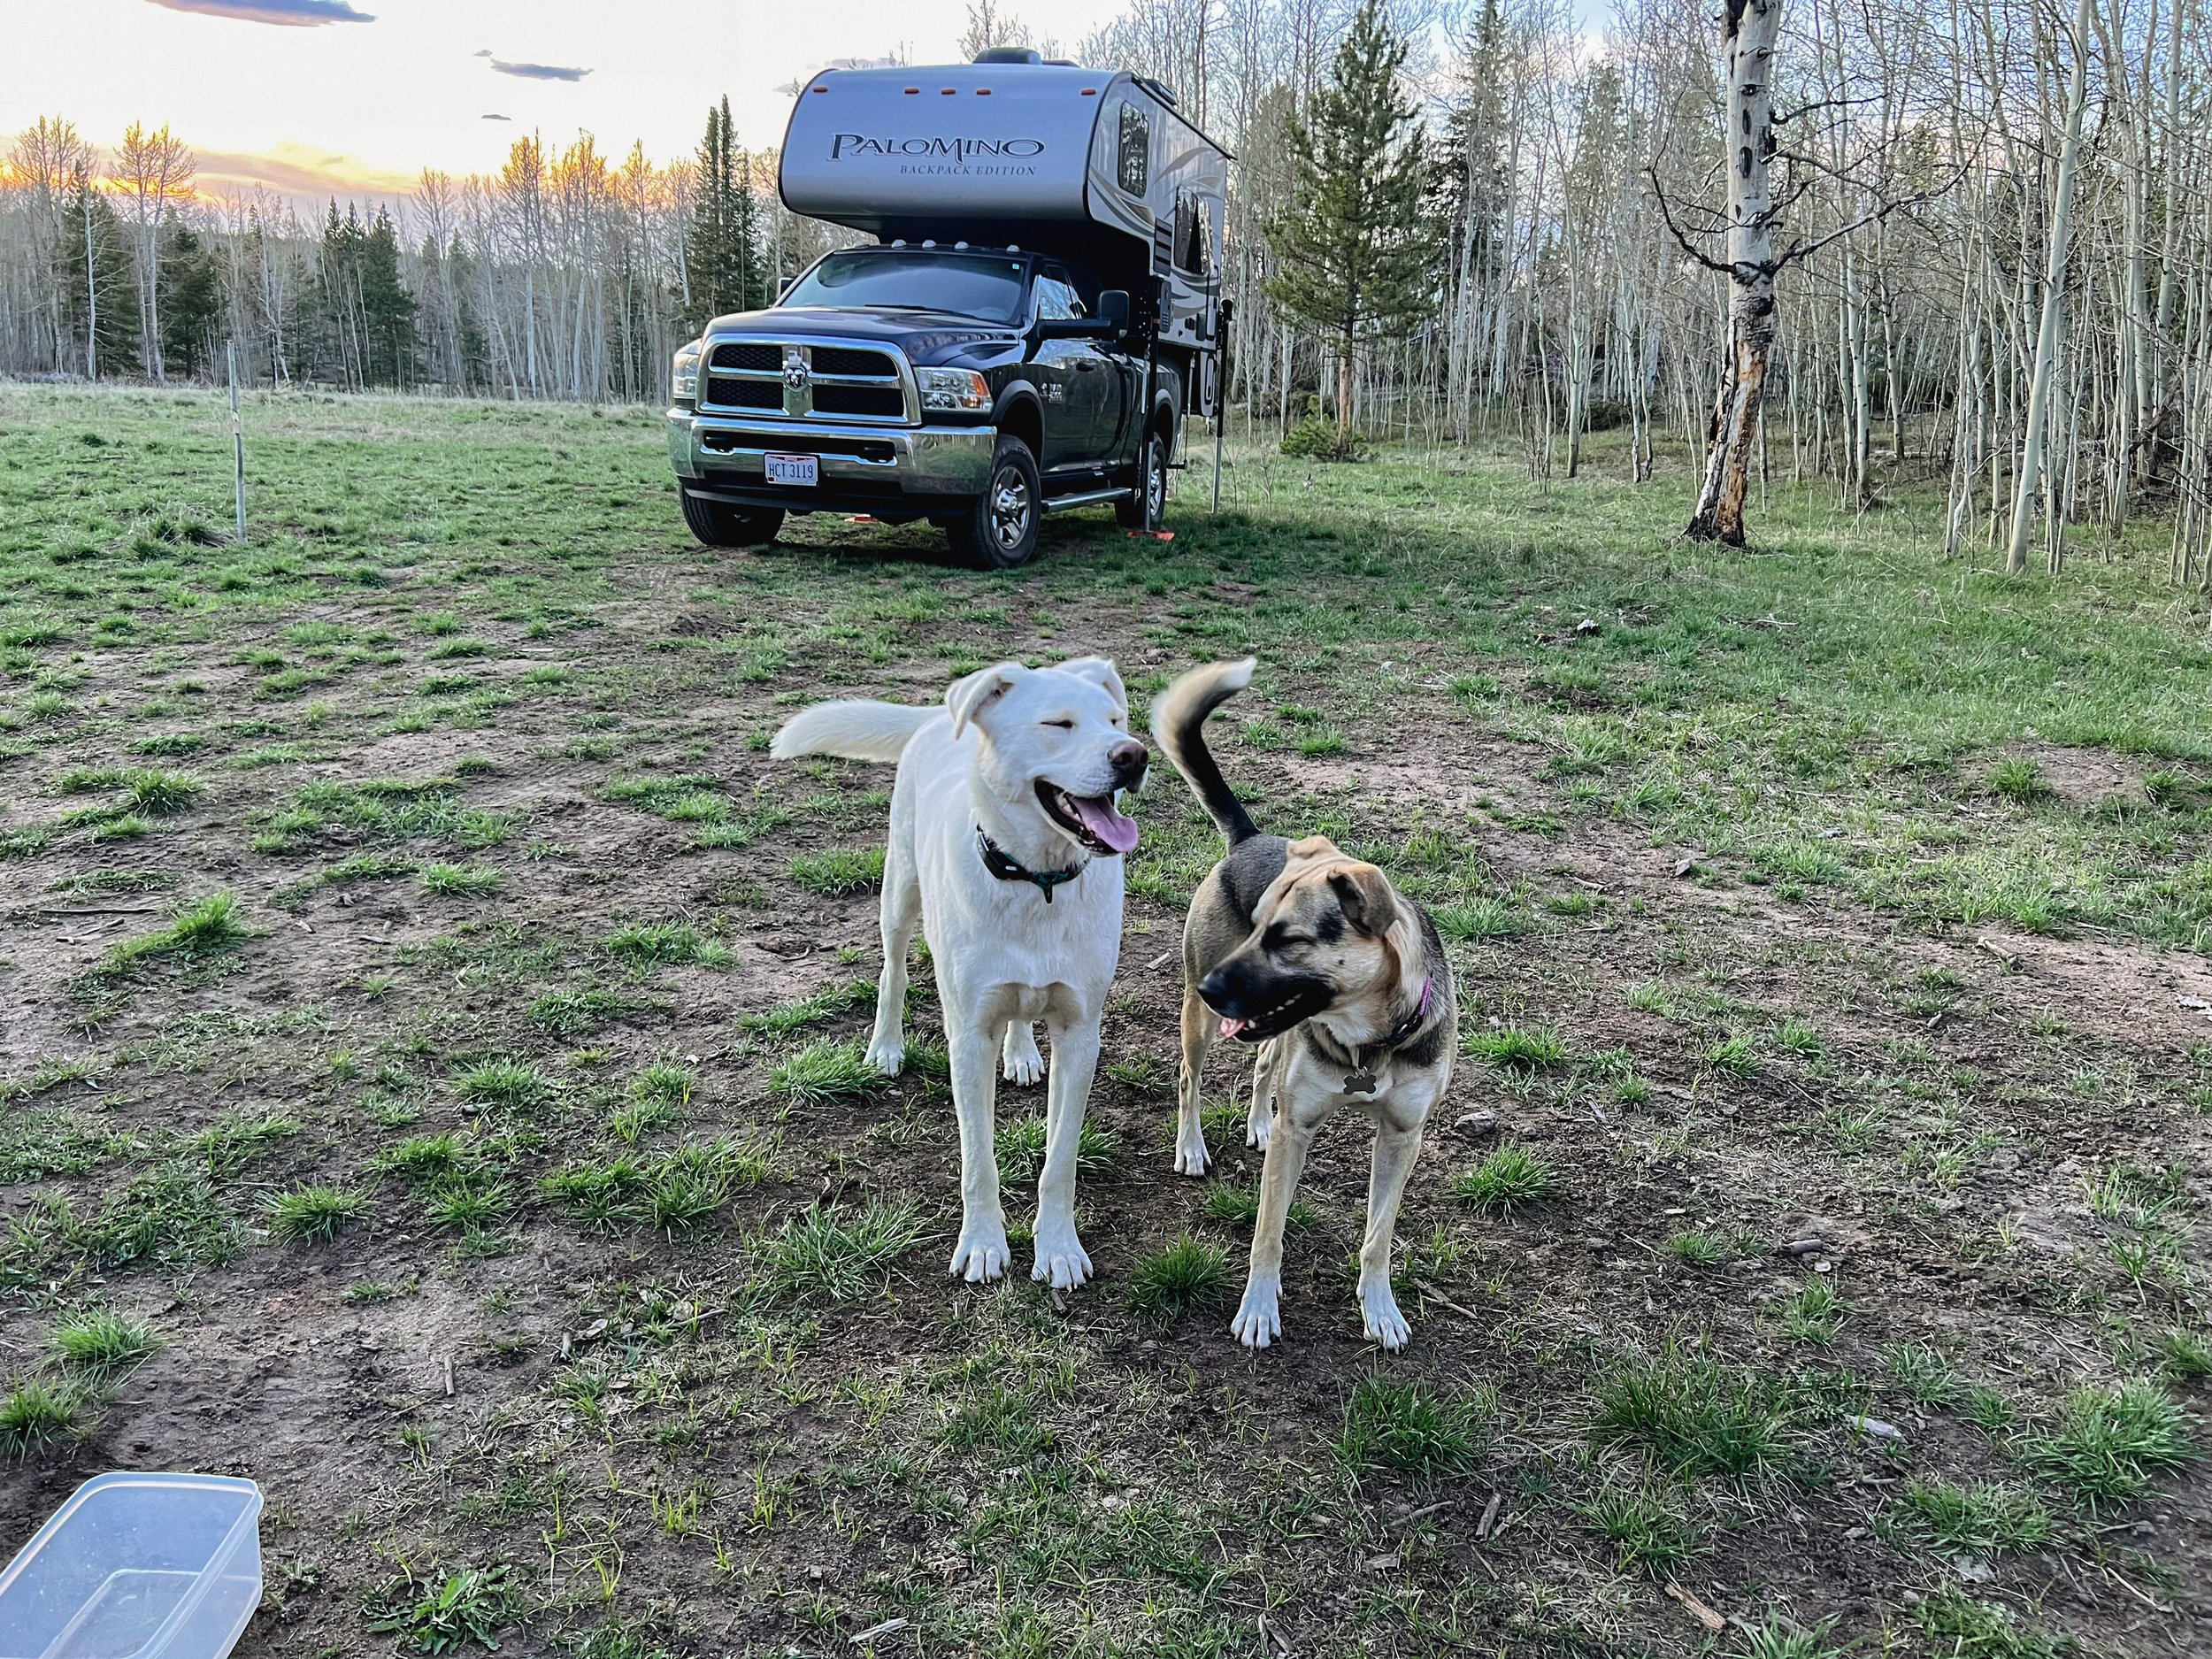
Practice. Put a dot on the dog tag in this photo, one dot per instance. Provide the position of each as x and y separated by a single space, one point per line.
1360 1083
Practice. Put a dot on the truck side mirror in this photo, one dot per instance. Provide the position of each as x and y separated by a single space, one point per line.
1113 309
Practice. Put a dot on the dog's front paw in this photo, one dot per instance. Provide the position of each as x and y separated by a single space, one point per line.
1025 1064
887 1054
1191 1156
1379 1312
1258 1321
1062 1261
982 1254
1257 1127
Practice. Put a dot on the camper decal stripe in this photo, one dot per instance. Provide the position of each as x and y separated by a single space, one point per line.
845 144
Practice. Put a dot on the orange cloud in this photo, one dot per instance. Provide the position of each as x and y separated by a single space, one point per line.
300 172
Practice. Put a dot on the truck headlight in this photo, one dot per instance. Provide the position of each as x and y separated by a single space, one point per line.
684 382
963 389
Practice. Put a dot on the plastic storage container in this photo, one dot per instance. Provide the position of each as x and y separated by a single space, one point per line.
138 1566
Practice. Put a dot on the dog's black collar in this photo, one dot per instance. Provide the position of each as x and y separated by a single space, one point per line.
1006 868
1359 1064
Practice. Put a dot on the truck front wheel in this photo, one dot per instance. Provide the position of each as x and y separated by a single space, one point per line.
1002 531
1146 507
717 523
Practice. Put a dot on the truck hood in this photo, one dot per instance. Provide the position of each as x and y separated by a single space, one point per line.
932 338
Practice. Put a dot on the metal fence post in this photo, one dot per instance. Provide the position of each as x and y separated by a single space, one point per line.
237 442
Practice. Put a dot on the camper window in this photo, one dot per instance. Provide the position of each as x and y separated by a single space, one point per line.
1191 227
1136 150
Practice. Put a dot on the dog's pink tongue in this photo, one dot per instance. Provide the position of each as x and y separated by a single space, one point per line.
1230 1028
1100 816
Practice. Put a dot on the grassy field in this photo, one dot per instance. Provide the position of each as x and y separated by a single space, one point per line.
430 1083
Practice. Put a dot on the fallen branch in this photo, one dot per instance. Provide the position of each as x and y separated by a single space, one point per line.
1696 1608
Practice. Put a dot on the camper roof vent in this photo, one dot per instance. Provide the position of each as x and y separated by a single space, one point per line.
1009 55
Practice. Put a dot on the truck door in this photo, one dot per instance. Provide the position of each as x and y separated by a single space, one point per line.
1082 394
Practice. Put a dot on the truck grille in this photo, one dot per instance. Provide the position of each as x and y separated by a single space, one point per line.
746 393
859 400
808 380
846 360
747 354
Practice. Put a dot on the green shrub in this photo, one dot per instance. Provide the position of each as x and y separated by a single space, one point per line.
197 932
2110 1442
101 1341
1503 1181
314 1215
1239 1207
1313 438
1021 1150
1187 1272
466 1607
1976 1521
650 944
1516 1048
1696 1417
506 1086
837 1254
1413 1425
1648 1529
827 1071
32 1415
2019 779
838 871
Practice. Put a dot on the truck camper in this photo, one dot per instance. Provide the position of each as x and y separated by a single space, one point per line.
1039 314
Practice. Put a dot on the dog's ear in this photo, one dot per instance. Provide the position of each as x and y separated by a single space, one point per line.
1099 671
1312 849
970 694
1364 895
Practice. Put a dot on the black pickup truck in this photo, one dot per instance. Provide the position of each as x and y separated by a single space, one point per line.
978 388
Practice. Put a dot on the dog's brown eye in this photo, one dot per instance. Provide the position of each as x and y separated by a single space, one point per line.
1065 725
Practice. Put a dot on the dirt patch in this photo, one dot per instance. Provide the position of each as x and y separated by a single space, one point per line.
2078 778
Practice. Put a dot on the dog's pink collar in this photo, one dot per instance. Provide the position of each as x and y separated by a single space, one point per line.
1361 1079
1412 1023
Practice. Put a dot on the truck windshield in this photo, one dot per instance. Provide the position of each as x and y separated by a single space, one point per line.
986 286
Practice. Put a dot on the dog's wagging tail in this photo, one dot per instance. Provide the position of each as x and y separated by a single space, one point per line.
1178 719
851 731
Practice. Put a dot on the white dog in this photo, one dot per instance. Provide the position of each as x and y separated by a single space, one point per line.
1005 848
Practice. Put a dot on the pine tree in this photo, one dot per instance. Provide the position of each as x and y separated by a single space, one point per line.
191 307
338 323
103 299
722 254
475 349
1471 172
1357 246
388 310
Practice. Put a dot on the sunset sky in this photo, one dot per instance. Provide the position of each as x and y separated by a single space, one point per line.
316 96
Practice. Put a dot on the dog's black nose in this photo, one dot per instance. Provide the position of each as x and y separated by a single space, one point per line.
1221 990
1128 758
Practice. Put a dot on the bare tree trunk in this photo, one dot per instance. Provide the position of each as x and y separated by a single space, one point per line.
91 294
1344 362
1749 29
2032 441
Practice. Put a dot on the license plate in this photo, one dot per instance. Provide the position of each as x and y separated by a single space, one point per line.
795 469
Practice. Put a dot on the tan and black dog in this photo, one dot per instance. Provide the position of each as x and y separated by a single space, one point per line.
1310 955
